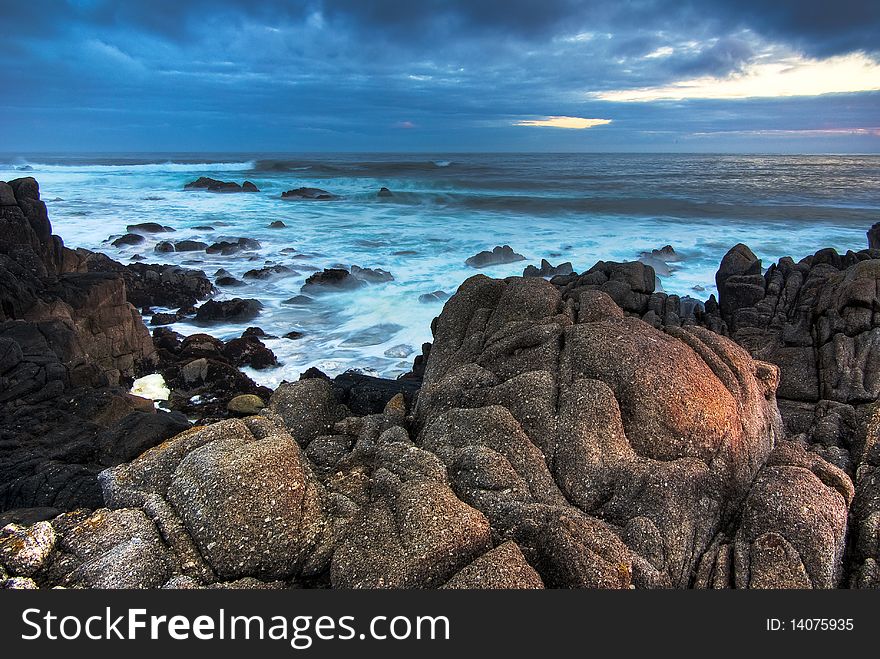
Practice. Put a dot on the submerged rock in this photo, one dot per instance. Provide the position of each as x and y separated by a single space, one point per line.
371 275
435 296
234 310
128 239
308 194
384 193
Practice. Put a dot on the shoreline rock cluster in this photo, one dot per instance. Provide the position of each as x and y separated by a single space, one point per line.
584 430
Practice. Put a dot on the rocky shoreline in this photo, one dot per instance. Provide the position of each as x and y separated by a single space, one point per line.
581 431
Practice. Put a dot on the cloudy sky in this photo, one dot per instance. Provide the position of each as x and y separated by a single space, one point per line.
433 75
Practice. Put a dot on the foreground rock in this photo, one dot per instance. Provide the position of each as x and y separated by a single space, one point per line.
68 340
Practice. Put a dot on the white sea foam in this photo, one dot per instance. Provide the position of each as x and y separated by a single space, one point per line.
152 387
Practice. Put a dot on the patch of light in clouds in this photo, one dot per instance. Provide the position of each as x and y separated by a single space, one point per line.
792 76
563 122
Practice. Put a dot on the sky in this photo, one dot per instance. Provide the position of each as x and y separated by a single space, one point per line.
790 76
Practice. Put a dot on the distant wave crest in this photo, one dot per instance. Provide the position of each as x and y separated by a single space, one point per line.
111 167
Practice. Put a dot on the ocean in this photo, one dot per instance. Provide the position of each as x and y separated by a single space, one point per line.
446 207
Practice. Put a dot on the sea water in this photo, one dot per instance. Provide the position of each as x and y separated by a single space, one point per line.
446 207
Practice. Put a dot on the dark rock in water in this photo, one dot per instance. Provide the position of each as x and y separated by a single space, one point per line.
299 300
148 227
547 270
213 185
203 227
227 248
874 236
234 310
435 296
190 246
371 275
229 282
249 351
24 168
308 194
277 224
384 192
164 319
254 331
294 335
128 239
137 257
498 256
165 247
270 271
331 279
665 253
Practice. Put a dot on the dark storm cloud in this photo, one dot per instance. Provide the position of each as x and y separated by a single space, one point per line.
351 74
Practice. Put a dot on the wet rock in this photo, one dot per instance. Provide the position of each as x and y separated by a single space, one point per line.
148 227
234 310
249 351
190 246
294 335
128 239
270 271
203 227
308 194
213 185
229 282
331 279
165 247
384 193
499 255
277 224
230 247
547 270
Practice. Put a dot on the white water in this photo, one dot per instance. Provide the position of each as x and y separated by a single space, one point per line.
445 210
